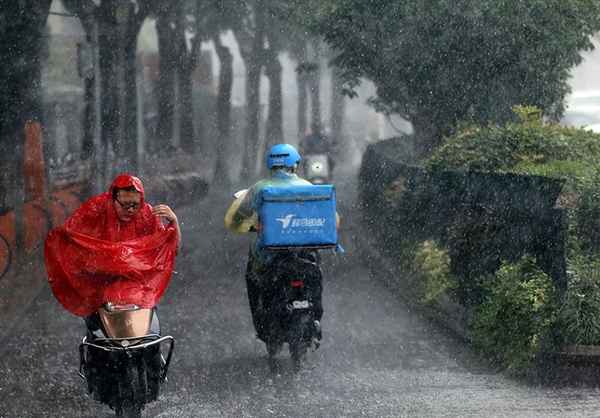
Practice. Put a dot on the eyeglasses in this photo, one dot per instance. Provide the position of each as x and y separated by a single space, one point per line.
128 206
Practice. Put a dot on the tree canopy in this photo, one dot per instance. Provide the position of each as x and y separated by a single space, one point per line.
439 63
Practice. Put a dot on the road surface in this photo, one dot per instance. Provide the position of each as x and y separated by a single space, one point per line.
378 358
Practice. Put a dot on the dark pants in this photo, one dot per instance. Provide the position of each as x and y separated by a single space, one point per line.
264 288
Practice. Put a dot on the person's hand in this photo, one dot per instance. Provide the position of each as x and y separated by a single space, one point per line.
164 211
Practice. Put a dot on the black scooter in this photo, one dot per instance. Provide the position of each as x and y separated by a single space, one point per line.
291 304
285 300
121 360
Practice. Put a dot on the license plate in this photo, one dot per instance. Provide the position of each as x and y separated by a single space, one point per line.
300 304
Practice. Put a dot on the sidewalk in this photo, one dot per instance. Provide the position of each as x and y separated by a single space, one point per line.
18 288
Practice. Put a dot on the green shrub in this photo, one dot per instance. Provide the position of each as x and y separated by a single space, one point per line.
580 313
403 251
527 146
433 266
516 316
530 146
586 216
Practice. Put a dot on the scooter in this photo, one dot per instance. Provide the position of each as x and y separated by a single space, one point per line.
121 360
316 168
289 304
290 292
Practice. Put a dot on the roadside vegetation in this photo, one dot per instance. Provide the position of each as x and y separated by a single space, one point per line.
519 313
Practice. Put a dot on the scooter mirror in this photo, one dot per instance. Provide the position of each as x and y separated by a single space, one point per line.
240 193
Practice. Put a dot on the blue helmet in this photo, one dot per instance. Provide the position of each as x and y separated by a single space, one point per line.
282 155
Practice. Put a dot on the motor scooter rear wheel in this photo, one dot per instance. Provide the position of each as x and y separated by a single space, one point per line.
298 349
129 411
273 348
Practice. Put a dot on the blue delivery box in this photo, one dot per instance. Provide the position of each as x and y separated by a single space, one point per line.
298 216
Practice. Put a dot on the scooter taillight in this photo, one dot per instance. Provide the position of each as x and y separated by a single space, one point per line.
297 283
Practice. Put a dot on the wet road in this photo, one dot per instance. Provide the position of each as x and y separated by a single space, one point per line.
378 359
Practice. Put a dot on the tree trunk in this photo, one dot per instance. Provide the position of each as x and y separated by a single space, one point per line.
117 43
298 52
302 103
338 109
273 69
109 101
315 103
21 30
130 128
252 117
88 122
253 62
186 132
166 80
115 25
223 110
187 64
88 149
314 85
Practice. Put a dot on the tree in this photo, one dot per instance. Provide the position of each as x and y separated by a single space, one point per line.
178 57
273 70
307 49
275 40
308 78
116 26
298 52
338 106
223 109
187 62
213 18
21 30
166 30
439 64
250 37
314 85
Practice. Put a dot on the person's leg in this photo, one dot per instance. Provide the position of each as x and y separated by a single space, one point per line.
314 285
251 289
317 293
318 304
253 286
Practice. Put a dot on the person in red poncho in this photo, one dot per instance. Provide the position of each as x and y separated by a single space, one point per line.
114 248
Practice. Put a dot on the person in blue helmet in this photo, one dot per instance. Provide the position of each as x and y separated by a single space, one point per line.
282 161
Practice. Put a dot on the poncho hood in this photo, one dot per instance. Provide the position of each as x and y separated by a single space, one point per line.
125 180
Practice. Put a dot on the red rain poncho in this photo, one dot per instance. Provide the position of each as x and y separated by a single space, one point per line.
96 258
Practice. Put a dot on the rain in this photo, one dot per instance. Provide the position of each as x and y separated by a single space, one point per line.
439 158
